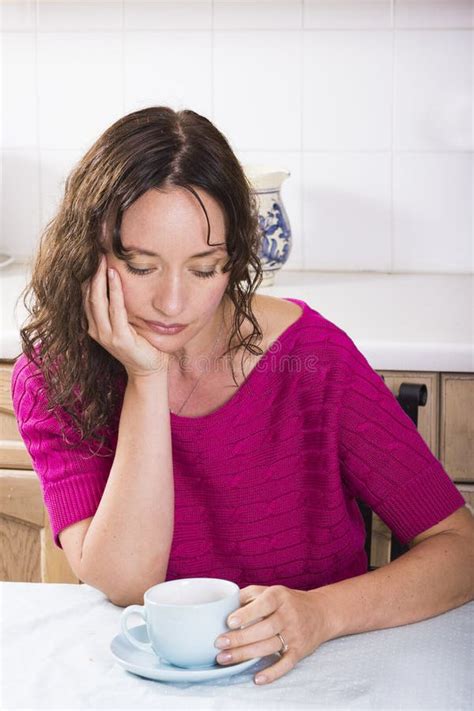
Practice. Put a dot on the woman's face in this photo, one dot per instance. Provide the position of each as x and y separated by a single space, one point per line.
177 284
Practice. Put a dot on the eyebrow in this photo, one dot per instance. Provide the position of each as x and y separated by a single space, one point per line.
136 250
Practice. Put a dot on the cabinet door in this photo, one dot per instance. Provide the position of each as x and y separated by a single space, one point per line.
29 553
13 453
457 425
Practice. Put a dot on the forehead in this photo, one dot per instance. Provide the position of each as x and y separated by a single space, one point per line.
173 219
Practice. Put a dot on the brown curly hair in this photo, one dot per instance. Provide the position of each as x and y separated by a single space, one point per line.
152 148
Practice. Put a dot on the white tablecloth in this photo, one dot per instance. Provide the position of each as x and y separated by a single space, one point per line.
55 655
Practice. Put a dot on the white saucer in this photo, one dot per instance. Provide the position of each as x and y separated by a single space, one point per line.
150 666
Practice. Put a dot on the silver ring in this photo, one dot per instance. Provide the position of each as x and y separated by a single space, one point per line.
284 646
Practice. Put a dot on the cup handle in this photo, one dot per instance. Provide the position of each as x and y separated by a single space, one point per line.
134 610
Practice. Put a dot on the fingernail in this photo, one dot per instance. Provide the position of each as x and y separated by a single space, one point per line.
222 643
111 273
234 622
260 679
225 657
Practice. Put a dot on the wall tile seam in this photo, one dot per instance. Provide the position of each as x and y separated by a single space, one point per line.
178 28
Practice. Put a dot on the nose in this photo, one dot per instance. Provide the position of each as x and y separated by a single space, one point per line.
168 295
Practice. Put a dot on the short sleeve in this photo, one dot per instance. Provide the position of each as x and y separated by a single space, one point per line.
384 461
72 479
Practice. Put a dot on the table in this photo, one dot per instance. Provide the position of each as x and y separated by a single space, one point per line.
55 655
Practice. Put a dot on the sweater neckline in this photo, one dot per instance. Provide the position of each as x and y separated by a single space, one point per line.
223 410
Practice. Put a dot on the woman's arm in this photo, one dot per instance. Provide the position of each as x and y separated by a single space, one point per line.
436 575
127 546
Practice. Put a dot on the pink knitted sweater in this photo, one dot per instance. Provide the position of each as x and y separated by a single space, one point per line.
266 485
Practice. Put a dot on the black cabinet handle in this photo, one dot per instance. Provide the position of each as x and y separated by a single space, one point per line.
411 396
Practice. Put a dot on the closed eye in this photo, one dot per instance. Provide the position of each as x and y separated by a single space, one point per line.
143 272
205 275
137 271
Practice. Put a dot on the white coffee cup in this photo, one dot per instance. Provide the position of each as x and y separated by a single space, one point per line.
183 619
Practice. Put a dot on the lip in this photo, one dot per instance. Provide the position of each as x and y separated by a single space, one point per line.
164 328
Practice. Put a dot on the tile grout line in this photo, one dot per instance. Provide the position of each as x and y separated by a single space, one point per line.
213 106
39 168
392 142
177 28
302 152
122 56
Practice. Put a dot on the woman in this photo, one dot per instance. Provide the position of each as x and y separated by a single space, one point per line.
182 425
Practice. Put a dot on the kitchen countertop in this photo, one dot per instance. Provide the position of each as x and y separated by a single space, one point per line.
422 322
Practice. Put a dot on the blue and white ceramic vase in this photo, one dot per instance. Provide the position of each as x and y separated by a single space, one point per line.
272 216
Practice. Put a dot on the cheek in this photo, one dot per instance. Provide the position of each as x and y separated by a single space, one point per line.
215 294
133 295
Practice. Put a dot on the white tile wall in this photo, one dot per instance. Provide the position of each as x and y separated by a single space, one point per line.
19 90
20 203
346 210
367 102
433 212
182 15
187 80
257 92
75 15
55 166
441 14
347 91
348 14
80 84
251 15
18 15
433 90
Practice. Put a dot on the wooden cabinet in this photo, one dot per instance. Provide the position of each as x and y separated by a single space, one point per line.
27 549
13 453
28 552
446 423
456 448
